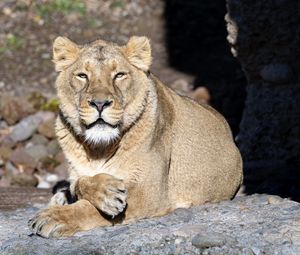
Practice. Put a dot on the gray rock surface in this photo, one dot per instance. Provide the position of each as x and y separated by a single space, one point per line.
26 127
257 224
37 151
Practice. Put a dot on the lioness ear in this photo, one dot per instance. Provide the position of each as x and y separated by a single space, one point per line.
138 52
65 52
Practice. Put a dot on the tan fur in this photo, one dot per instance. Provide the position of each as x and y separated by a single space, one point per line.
169 151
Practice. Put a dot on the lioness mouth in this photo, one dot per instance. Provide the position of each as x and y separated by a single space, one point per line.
100 121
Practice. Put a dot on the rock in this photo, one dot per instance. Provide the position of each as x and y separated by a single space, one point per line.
3 124
10 169
62 171
263 229
48 163
4 182
22 157
274 200
47 129
60 157
24 180
38 139
13 109
26 127
2 84
46 181
181 86
37 152
36 99
43 185
208 239
5 152
46 115
53 147
201 95
277 73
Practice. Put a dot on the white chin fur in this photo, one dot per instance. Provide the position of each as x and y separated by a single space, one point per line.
101 134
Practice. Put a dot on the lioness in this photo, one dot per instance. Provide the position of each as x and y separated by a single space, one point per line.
135 148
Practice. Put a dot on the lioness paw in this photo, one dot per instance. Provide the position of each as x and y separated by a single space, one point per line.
114 201
107 193
53 222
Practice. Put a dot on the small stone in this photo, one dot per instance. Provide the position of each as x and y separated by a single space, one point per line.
3 124
36 99
37 152
53 147
255 250
177 241
43 185
24 180
181 86
7 11
247 251
201 95
51 178
11 169
60 157
21 157
45 56
46 115
277 73
48 163
25 129
46 181
38 139
2 84
5 152
62 171
4 182
14 109
209 240
47 129
274 200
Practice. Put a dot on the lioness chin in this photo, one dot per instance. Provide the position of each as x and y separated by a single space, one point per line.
135 148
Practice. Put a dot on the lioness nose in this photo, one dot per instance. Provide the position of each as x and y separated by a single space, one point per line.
100 105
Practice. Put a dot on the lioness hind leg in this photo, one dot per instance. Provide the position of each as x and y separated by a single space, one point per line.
66 220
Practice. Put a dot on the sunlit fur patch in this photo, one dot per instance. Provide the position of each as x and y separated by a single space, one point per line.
101 134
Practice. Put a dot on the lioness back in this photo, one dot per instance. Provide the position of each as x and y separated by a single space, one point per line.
204 157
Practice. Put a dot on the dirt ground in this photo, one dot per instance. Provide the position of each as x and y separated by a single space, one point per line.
28 29
12 198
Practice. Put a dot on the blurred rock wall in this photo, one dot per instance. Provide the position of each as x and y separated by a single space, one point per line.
265 37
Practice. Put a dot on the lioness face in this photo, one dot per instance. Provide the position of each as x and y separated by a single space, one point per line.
100 85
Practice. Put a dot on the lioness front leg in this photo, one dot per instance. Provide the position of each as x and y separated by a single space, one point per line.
107 193
66 220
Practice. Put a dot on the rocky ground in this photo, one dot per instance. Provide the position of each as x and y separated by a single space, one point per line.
30 155
252 225
29 28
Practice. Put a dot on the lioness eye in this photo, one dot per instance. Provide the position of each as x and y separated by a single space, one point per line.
119 75
82 76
